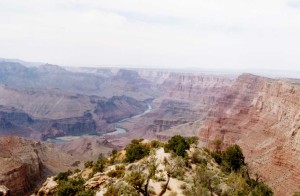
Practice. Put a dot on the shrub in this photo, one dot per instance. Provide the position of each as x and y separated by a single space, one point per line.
136 151
262 189
77 170
88 192
88 164
118 172
99 165
111 191
177 144
218 157
197 190
183 186
114 152
192 140
135 179
217 145
207 178
196 158
72 187
156 144
233 158
63 176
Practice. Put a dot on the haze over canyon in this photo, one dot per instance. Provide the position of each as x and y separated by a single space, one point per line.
55 118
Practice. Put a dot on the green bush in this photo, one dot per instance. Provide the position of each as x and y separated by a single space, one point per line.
73 187
218 157
114 152
111 191
88 192
88 164
156 144
136 151
196 158
63 176
262 189
233 158
100 165
118 172
192 140
177 144
76 170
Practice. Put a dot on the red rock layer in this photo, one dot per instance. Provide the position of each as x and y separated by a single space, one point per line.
25 163
263 117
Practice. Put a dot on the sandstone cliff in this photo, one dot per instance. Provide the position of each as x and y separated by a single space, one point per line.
262 116
25 163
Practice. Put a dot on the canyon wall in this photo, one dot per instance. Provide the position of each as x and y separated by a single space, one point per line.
189 97
262 115
26 163
185 98
196 87
41 114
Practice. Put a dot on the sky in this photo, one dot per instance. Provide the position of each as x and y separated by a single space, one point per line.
211 34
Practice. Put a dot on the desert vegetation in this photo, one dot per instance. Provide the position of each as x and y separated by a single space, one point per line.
177 167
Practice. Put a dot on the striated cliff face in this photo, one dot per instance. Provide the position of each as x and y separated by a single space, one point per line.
185 98
263 117
25 163
201 88
41 114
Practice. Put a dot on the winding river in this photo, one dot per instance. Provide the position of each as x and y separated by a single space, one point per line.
122 130
119 130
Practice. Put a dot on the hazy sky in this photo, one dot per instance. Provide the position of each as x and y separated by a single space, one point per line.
154 33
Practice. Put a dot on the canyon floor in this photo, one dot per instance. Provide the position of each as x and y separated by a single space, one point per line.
85 112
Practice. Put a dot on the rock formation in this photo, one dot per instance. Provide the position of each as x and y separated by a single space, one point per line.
25 163
262 116
43 114
4 191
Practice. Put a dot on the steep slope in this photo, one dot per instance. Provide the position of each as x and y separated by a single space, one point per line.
159 172
262 116
88 148
181 108
25 163
50 113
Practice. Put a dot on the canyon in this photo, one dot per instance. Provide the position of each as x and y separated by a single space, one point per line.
85 105
25 163
262 116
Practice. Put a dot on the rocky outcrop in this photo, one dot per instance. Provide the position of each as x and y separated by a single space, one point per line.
4 191
88 148
161 125
117 108
48 187
98 180
262 116
68 126
25 163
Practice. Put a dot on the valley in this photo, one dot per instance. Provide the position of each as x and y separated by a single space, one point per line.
85 112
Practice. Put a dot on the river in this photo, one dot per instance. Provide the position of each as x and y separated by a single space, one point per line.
122 130
119 130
